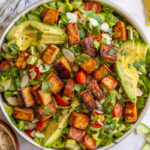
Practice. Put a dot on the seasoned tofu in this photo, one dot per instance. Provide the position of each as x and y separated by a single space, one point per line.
109 82
88 65
95 89
57 83
45 112
88 99
73 33
79 121
63 67
21 61
109 53
69 88
5 65
25 114
50 54
51 16
76 134
25 97
20 99
88 43
91 52
101 72
130 112
120 32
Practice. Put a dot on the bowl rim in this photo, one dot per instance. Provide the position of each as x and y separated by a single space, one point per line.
120 11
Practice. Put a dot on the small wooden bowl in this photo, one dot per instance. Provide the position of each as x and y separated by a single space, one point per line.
10 133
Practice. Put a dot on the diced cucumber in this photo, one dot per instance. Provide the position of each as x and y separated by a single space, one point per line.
146 146
142 129
39 62
32 50
32 60
72 145
8 109
102 16
148 138
33 17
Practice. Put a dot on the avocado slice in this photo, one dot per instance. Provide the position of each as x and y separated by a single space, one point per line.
125 65
33 32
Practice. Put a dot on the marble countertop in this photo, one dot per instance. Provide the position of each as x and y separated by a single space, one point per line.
133 142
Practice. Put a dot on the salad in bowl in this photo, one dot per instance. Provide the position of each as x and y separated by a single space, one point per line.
74 75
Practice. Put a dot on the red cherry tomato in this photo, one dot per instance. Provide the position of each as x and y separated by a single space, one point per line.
81 77
41 125
93 6
28 132
97 120
118 110
62 101
36 69
89 142
75 10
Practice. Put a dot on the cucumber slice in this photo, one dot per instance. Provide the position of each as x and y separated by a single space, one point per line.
142 129
146 146
148 138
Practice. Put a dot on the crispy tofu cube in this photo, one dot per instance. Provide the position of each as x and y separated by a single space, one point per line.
76 134
109 82
63 67
51 16
69 88
45 112
34 90
20 100
101 72
130 112
88 43
5 65
79 121
109 53
120 32
25 114
57 84
95 89
21 61
88 65
25 97
50 54
73 33
88 99
91 52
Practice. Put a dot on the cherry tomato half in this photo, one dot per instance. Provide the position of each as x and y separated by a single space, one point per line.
93 6
89 142
28 132
81 77
118 110
97 119
75 10
41 125
62 101
36 69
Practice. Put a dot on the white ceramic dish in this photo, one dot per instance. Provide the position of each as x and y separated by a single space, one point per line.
122 13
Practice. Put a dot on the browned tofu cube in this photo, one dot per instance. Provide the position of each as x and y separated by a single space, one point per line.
130 112
101 72
88 99
120 32
5 65
50 54
69 88
76 134
88 43
20 100
79 121
51 16
25 114
45 112
109 53
34 90
88 65
25 97
91 52
57 84
63 67
21 61
109 82
95 89
44 12
73 33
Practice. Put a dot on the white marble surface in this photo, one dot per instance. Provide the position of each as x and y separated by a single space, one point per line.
133 142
